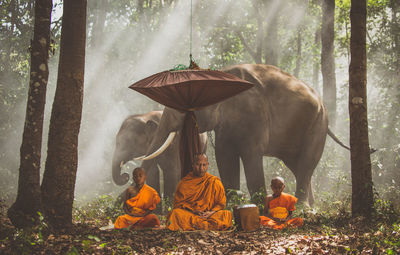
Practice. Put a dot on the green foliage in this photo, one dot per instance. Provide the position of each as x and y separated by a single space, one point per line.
26 239
385 211
235 198
258 198
166 204
101 211
73 251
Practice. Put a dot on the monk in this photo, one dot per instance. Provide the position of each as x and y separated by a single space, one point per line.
279 207
140 200
199 201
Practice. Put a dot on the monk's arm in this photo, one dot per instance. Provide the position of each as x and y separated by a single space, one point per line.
266 206
128 195
290 215
127 208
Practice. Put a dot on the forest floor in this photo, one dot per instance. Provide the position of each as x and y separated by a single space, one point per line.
340 236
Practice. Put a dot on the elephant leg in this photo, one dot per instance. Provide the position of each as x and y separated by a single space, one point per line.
153 177
306 160
311 195
253 169
171 178
303 184
303 170
228 163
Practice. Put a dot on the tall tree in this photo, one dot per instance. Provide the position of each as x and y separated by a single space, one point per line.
395 28
316 65
328 59
62 156
298 58
271 45
28 201
266 38
362 194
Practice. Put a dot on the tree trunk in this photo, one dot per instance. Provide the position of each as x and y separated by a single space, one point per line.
316 66
298 59
260 32
62 157
362 195
28 201
395 27
271 46
100 13
328 60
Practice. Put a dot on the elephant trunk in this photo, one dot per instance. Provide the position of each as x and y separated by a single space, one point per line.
171 121
117 163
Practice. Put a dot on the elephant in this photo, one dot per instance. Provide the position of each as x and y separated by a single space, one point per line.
133 139
280 116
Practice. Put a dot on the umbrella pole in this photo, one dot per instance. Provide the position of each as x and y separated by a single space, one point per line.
189 143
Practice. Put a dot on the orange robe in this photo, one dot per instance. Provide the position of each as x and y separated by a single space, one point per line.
286 201
146 200
199 194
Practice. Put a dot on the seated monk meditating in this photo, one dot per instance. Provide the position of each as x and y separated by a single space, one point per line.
279 207
140 200
199 201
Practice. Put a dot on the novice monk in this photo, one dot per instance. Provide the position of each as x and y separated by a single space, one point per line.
199 201
279 207
140 200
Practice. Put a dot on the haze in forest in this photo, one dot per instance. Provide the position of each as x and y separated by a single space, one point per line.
132 46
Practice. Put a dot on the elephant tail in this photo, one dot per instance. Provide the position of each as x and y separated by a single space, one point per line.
332 135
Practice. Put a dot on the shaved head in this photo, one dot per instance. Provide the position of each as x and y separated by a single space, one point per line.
277 186
197 156
138 169
278 179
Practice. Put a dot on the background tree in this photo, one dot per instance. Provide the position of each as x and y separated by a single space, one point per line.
59 178
16 32
328 59
271 45
362 195
28 202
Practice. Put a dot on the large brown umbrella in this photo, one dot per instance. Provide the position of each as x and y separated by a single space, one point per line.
189 90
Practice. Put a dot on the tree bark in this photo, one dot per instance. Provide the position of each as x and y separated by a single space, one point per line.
362 194
28 201
316 66
100 13
395 28
298 59
260 32
328 59
271 45
62 157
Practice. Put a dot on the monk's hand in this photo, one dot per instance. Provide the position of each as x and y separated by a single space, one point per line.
279 220
206 214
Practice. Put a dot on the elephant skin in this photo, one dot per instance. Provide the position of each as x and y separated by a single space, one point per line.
280 117
133 140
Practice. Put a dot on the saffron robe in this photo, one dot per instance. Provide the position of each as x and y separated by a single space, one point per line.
284 201
199 194
146 200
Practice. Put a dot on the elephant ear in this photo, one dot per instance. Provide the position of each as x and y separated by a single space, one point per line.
150 130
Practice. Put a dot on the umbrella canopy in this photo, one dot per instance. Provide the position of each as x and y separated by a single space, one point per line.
189 90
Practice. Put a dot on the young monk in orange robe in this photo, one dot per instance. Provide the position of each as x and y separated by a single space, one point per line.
140 200
279 207
199 201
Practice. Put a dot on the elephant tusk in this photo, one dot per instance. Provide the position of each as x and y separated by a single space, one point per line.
163 147
122 164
